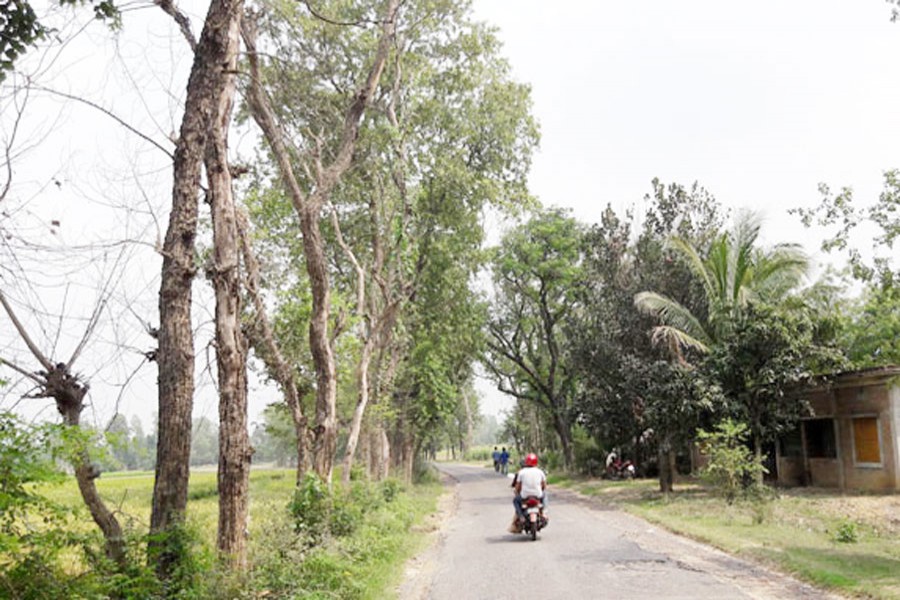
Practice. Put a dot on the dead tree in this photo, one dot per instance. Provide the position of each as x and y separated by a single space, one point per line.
209 77
231 344
68 390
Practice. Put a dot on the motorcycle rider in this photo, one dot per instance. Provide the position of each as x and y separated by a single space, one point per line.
529 481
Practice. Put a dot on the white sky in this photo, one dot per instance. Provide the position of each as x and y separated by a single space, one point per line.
757 102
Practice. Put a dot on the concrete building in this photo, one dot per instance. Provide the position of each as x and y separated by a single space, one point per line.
852 441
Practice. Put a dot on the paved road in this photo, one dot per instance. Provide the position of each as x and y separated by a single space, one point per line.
586 552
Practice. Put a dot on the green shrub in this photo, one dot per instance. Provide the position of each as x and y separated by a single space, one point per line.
310 505
480 453
424 473
846 533
732 467
551 460
390 489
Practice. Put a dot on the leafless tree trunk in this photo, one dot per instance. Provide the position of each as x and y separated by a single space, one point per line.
68 391
231 346
176 344
267 348
308 207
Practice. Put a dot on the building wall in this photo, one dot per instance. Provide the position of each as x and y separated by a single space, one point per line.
843 403
867 401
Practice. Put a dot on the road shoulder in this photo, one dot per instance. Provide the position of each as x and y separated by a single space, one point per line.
418 572
756 580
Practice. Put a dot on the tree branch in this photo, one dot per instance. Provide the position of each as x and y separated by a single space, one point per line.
181 19
45 362
108 113
22 371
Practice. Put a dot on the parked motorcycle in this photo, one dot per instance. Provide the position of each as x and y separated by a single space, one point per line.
534 516
619 469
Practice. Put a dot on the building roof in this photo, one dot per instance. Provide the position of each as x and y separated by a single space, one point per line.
869 374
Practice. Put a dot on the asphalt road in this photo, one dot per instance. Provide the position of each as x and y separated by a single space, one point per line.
587 551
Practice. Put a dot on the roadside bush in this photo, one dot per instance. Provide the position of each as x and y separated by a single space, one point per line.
846 533
551 460
732 468
424 473
390 489
480 453
310 505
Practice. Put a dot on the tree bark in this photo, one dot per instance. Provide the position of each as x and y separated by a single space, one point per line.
757 455
268 350
231 345
176 343
666 458
359 411
565 438
308 209
69 396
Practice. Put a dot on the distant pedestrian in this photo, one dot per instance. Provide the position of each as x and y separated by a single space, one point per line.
496 457
504 461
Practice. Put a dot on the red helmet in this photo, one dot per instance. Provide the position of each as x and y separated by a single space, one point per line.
531 460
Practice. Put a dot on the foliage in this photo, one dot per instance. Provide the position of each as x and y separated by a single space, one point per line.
129 448
731 468
839 212
733 272
763 364
25 459
537 271
204 442
20 27
589 456
450 135
871 327
275 439
846 533
609 344
37 538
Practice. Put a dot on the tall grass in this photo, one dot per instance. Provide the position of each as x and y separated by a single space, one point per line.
358 555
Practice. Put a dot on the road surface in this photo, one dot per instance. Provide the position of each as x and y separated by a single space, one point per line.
587 551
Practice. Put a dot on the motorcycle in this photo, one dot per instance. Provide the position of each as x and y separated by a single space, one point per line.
534 517
620 470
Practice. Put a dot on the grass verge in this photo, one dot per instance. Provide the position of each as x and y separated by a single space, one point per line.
356 552
849 543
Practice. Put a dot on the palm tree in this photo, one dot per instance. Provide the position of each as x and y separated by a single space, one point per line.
734 273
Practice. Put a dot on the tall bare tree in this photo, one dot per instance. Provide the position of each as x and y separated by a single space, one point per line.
231 344
209 77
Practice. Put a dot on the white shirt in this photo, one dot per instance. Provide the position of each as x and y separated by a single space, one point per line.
531 479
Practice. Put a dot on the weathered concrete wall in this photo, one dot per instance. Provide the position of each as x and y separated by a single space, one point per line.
844 402
791 471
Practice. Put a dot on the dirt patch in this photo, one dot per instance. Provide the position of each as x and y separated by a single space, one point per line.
419 570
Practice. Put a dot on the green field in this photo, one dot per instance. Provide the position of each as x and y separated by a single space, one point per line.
374 529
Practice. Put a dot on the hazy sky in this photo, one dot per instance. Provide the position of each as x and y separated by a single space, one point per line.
758 102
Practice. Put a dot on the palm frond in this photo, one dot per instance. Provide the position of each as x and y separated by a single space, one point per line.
694 262
675 338
673 315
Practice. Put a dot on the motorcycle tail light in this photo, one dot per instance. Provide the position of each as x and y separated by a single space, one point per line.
532 502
